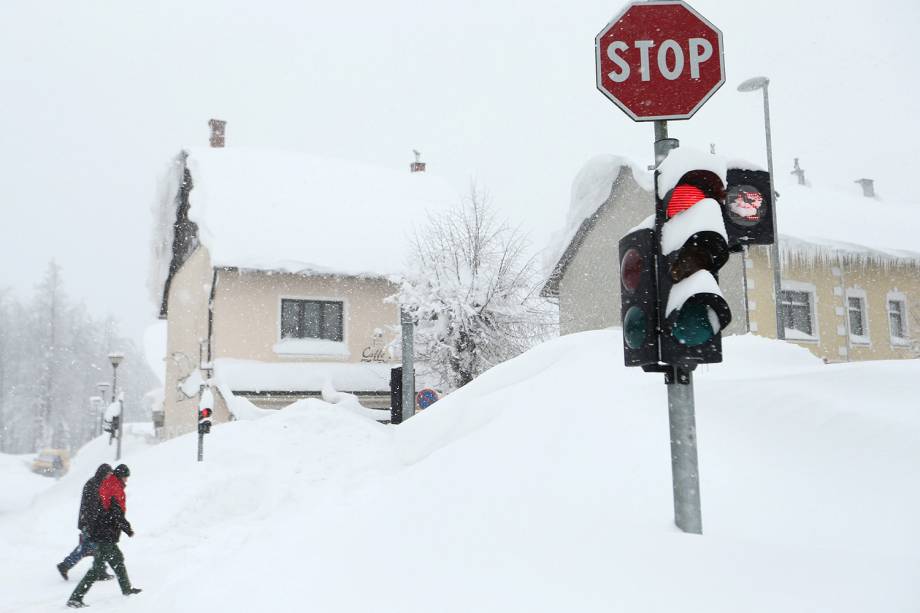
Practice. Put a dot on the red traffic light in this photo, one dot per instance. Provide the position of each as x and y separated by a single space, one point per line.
204 413
682 198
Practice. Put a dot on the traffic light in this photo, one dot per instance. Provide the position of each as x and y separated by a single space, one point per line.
694 246
111 426
639 296
204 420
748 211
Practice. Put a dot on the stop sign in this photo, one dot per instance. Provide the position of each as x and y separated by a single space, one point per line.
659 60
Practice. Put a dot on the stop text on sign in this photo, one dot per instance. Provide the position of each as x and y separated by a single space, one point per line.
670 58
659 60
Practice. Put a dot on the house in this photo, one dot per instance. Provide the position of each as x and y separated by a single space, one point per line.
850 265
273 270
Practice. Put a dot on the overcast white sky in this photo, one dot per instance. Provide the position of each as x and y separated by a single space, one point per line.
98 95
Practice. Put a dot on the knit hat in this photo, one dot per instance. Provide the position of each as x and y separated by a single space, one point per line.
122 471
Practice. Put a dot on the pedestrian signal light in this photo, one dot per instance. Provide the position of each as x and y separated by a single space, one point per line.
748 211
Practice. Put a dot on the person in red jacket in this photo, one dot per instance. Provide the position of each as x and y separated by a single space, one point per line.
105 531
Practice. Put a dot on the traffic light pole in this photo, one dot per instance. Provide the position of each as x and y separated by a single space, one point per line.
685 474
200 433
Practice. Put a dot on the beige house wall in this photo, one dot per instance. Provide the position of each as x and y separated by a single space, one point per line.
246 323
247 313
832 280
187 324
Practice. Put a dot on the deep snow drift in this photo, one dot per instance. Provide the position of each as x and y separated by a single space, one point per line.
542 486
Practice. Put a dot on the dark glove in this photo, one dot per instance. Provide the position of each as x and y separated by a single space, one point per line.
129 531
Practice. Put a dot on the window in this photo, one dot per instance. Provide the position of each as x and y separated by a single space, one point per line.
896 319
796 311
856 312
320 319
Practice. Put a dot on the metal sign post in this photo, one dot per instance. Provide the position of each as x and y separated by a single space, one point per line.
656 61
685 474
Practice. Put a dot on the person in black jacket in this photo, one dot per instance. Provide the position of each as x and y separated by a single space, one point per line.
105 530
90 506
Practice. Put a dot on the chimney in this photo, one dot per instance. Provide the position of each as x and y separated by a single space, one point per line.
217 132
798 172
418 165
868 186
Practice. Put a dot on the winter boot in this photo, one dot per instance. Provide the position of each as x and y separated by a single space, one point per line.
133 590
63 570
73 603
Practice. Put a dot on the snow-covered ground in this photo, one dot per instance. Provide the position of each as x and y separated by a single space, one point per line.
542 486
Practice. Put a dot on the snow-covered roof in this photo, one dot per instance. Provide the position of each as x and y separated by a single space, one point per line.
813 221
280 210
256 376
591 188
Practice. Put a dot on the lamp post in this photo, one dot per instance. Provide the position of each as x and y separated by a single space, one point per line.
102 386
751 85
116 359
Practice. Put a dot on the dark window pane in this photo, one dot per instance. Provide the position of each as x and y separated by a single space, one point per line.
795 309
856 316
896 318
290 319
332 321
312 313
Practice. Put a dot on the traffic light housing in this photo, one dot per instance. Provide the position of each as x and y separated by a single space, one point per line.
694 246
111 427
204 420
748 211
639 296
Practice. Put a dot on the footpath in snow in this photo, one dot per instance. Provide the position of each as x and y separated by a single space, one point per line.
544 485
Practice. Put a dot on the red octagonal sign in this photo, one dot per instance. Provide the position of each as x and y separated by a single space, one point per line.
659 60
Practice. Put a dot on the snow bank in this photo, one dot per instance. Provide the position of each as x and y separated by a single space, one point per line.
255 376
542 486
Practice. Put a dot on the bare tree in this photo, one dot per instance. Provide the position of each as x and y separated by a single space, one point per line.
473 293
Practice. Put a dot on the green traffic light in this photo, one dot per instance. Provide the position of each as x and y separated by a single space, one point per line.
693 326
635 327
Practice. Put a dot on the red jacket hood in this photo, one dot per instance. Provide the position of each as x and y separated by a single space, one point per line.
112 487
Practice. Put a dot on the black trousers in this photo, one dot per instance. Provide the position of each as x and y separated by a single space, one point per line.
105 553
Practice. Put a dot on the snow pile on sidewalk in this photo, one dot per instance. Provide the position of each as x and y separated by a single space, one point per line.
542 486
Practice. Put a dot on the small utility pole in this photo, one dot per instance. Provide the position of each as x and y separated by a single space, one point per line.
200 432
408 364
121 426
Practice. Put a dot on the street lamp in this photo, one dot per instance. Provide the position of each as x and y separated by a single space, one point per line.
116 359
102 386
752 85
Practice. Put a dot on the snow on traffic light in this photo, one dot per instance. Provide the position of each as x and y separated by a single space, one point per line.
690 194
